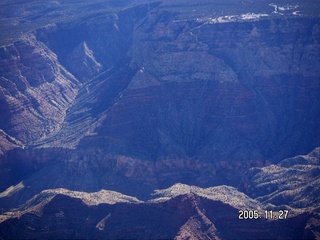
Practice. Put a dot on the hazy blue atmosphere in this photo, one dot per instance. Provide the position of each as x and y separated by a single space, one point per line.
159 119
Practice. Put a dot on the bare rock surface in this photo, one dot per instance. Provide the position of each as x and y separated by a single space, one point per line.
35 90
82 57
225 194
182 212
293 181
190 211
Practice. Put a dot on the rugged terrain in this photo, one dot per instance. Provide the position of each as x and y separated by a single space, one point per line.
178 212
139 96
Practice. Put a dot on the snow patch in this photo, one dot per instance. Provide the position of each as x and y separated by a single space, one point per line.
282 9
236 18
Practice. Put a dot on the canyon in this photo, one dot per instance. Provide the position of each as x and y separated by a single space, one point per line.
108 100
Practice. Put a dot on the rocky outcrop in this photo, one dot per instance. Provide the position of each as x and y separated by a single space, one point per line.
293 181
8 142
82 62
179 212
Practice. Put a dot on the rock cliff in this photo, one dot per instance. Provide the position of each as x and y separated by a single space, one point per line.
36 90
139 95
180 212
293 181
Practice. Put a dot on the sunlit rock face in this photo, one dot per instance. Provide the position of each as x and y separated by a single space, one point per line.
179 212
82 61
293 181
